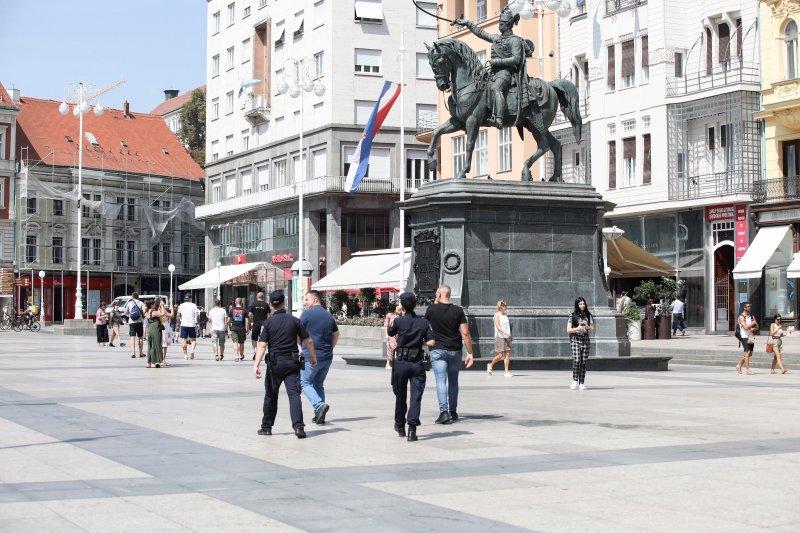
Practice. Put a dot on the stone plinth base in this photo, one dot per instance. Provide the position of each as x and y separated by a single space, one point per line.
75 327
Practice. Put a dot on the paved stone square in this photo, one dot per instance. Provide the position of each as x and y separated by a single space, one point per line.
90 440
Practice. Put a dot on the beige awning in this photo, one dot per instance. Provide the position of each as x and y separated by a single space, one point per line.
628 260
377 269
769 248
217 276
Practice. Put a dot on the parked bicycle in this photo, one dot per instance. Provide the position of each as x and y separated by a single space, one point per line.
20 322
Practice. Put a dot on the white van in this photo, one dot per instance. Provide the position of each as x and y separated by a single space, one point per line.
144 298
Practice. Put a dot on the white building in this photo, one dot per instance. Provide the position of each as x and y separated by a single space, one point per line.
170 108
669 90
253 149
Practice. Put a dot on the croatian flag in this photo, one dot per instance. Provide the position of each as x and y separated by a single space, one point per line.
360 161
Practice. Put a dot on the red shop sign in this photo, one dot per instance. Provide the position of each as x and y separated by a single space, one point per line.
282 258
720 212
239 259
741 231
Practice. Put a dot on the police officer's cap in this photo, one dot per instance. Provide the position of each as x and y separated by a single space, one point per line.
408 299
276 298
187 296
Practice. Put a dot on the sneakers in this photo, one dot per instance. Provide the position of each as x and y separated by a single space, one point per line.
186 356
267 431
319 414
216 358
574 385
489 368
508 374
444 418
192 355
582 386
453 416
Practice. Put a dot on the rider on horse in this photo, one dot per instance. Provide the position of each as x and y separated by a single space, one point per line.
508 66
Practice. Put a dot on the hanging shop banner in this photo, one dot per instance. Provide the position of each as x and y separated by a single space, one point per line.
240 259
6 281
715 213
741 231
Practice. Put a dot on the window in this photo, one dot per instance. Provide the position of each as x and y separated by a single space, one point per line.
320 162
278 77
230 187
459 154
367 61
482 153
229 103
417 171
646 168
611 76
423 19
262 4
263 177
121 212
214 150
628 70
246 12
119 253
480 10
504 149
678 64
247 181
368 11
299 26
214 108
629 125
612 129
166 251
297 171
247 51
629 161
156 257
131 253
726 143
58 208
58 250
215 22
646 121
31 206
481 55
280 173
231 13
229 58
31 248
97 250
709 53
790 45
427 117
187 256
131 209
216 191
319 63
612 164
318 117
424 69
724 45
363 110
245 140
215 66
87 212
645 59
90 251
280 31
2 145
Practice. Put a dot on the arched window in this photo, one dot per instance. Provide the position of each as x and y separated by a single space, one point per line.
790 40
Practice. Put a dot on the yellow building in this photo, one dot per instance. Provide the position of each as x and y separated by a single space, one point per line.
499 154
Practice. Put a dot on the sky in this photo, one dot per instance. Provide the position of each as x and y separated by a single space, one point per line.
152 44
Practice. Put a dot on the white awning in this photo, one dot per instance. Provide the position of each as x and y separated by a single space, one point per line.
369 9
212 278
794 267
764 251
377 269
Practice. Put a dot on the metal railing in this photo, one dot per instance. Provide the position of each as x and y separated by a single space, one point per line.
684 187
777 189
427 122
614 7
733 72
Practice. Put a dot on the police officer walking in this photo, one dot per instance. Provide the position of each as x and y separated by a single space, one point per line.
411 331
280 332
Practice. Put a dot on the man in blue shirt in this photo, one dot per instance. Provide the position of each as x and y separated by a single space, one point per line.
322 328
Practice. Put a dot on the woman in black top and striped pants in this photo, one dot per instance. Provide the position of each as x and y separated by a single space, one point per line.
580 324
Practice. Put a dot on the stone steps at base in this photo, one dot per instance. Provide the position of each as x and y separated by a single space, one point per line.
639 364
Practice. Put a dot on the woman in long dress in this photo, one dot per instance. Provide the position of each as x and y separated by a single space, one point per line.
153 314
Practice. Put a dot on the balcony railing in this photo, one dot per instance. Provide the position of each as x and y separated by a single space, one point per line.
427 122
256 109
684 187
617 6
777 189
734 72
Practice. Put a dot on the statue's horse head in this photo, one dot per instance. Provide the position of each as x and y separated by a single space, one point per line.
447 56
441 65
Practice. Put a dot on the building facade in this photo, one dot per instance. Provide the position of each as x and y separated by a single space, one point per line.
671 90
139 189
170 108
8 139
253 148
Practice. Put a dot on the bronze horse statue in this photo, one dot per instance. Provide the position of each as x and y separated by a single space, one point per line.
456 68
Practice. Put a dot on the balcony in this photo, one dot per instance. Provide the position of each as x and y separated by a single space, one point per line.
683 187
315 186
256 110
614 7
776 190
735 72
426 123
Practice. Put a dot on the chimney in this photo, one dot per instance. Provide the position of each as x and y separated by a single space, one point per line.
126 109
14 95
169 94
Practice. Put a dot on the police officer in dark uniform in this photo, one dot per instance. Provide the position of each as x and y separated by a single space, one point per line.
411 331
280 332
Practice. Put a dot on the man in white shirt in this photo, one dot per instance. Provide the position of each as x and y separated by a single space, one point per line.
187 317
678 315
218 317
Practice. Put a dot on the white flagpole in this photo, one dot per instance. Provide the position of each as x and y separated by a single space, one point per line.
402 53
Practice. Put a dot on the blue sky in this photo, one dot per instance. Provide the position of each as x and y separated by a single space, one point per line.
152 44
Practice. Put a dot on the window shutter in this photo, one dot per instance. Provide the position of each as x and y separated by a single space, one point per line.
724 43
739 37
645 51
629 147
709 56
611 77
612 165
628 66
646 177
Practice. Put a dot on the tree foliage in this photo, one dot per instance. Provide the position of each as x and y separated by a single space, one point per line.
192 132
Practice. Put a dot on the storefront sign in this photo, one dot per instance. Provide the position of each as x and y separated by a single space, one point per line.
6 281
239 259
720 212
24 281
741 231
282 258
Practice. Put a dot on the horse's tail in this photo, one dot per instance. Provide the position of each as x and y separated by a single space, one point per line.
568 99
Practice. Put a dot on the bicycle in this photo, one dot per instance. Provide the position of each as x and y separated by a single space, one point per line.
6 323
21 323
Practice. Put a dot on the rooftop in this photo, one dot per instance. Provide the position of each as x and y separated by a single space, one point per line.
168 106
5 99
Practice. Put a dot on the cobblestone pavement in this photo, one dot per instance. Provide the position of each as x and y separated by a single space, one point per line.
90 440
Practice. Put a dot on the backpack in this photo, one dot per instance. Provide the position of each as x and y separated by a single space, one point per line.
136 312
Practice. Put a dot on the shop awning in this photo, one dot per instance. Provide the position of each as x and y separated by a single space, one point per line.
762 252
369 9
377 269
627 260
793 271
212 278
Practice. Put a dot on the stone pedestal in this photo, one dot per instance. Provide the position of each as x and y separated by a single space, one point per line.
76 327
536 245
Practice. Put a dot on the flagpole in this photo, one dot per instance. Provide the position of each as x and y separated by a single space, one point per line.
402 53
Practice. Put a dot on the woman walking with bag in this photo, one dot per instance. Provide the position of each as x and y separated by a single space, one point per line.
167 332
153 313
747 325
579 325
101 324
502 339
775 343
116 321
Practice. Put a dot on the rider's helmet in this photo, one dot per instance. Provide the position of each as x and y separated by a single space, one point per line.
507 16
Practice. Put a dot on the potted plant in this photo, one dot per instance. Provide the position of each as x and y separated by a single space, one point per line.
668 289
634 318
647 291
664 320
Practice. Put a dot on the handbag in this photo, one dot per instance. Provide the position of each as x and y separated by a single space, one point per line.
751 339
770 347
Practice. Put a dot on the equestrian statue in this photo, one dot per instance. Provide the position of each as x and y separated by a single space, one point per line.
500 94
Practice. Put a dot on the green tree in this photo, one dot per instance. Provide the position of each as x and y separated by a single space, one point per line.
192 132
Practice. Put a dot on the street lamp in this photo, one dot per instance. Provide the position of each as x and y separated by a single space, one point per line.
300 81
219 276
171 269
41 296
81 96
